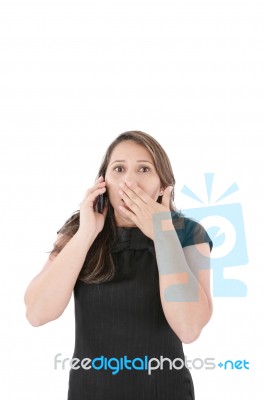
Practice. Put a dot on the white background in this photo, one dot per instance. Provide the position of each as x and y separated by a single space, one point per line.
75 74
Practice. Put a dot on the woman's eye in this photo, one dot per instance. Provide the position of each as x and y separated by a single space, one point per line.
118 169
144 169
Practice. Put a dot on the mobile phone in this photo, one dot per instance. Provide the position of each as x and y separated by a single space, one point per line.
101 199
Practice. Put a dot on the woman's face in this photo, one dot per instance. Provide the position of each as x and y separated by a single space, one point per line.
132 162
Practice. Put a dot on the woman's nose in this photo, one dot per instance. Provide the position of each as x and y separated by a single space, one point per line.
130 177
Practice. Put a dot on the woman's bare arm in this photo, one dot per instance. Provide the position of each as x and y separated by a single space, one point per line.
49 292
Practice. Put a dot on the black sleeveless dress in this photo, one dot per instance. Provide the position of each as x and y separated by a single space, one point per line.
121 325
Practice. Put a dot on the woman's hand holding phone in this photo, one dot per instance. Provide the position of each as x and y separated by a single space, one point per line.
91 220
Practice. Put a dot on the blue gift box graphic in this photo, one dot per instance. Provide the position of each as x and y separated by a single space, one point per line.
225 226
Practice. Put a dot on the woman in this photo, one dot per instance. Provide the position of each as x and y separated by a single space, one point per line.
140 274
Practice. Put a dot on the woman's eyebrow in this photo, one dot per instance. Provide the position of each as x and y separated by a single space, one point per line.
136 161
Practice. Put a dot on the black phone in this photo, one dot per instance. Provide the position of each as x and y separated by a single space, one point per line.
101 199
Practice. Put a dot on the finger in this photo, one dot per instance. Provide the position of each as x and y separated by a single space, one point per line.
91 197
97 192
166 196
95 187
99 179
135 193
129 214
99 185
129 202
139 192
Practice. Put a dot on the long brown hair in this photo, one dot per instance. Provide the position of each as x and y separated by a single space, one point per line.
99 266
